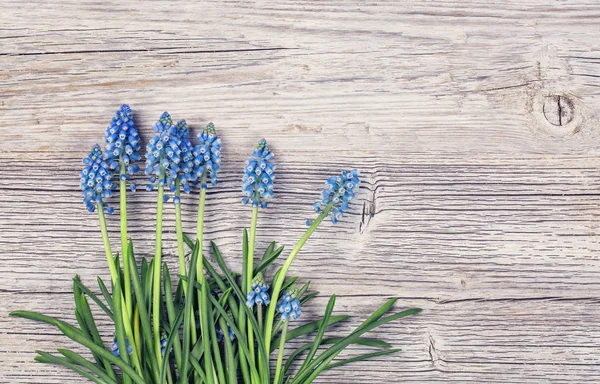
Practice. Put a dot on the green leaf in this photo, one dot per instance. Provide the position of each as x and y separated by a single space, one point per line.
320 332
171 314
143 312
80 360
308 328
105 293
87 322
369 342
47 358
308 297
268 258
362 357
313 369
91 295
188 311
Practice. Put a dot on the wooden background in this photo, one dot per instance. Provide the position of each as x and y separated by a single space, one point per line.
475 127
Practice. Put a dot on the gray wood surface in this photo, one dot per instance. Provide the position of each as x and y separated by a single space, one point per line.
475 126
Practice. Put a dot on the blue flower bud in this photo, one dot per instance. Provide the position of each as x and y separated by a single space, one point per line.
259 292
289 305
339 191
122 143
114 348
169 155
207 156
257 183
95 180
163 343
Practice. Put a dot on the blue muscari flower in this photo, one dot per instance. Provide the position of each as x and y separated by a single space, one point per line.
122 144
289 305
257 183
115 347
163 344
259 293
96 181
207 155
169 156
340 190
220 333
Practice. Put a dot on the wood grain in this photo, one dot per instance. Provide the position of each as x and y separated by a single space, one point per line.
474 205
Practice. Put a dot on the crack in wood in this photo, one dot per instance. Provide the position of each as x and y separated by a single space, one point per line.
172 50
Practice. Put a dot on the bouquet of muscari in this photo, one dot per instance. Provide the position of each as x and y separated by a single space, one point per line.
217 326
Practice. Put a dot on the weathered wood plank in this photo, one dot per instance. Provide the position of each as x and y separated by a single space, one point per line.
475 204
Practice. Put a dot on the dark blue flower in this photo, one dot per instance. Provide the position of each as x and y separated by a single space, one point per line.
340 190
169 156
115 347
257 183
259 292
96 181
122 144
163 343
207 156
289 305
220 334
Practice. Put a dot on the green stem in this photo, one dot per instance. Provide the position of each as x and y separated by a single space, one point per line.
181 253
250 274
157 271
259 313
229 358
280 354
281 276
203 297
179 230
124 253
115 278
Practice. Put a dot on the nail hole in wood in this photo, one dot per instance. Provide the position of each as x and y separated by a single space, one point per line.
558 110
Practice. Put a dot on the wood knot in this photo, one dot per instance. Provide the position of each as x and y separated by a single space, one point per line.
558 110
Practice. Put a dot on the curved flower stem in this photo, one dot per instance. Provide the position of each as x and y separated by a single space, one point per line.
280 354
156 276
115 278
250 274
203 297
124 245
281 276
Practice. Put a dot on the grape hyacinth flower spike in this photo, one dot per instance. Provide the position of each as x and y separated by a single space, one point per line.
169 155
185 175
340 190
289 308
289 305
259 293
257 183
96 181
207 156
122 144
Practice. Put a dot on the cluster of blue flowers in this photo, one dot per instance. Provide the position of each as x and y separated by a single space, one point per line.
289 305
207 155
340 190
115 347
257 183
96 181
259 293
122 144
169 156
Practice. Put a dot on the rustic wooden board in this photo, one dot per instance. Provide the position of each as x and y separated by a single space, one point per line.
475 127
